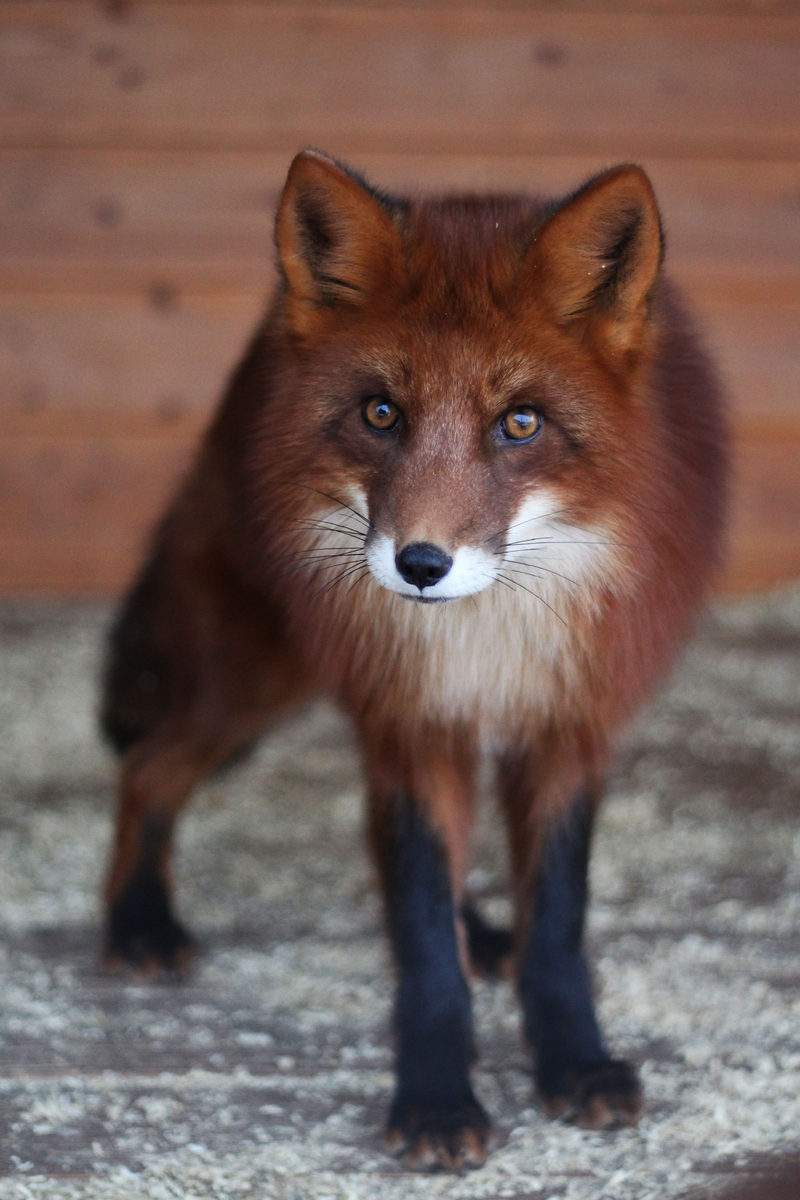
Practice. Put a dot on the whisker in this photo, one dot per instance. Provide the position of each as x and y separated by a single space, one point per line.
358 578
333 561
532 543
322 525
340 578
532 569
506 529
320 554
335 500
520 569
536 596
555 512
501 579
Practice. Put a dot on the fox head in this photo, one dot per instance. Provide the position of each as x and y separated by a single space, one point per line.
465 378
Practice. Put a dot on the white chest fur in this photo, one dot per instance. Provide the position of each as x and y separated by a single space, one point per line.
503 656
510 652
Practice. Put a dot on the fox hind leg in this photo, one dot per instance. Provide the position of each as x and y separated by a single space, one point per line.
222 669
156 780
490 947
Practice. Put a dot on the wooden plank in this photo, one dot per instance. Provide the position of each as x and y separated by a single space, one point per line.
756 568
255 75
753 8
757 346
766 493
66 569
74 513
765 520
86 219
80 219
146 363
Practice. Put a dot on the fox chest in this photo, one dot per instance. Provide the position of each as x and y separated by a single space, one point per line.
495 663
513 667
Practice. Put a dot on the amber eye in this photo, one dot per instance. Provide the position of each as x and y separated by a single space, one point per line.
380 413
520 424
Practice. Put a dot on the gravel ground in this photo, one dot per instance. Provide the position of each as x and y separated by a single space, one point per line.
268 1073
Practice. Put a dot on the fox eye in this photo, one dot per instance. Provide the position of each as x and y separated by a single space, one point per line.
380 413
520 424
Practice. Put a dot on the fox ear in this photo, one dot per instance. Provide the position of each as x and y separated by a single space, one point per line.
596 259
337 241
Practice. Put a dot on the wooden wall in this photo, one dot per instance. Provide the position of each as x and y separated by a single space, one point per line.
142 145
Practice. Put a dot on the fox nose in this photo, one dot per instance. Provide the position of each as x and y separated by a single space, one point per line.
422 564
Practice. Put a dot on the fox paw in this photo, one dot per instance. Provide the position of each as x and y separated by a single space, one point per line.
438 1133
601 1096
143 935
490 948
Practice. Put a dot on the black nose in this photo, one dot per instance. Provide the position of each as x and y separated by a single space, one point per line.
422 564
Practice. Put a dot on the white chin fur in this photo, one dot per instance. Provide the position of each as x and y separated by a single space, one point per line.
471 572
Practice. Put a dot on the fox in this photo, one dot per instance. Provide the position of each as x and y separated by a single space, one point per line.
469 482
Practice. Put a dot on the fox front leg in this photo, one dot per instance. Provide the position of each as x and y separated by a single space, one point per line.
435 1120
576 1077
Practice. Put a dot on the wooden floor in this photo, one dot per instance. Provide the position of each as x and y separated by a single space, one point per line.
142 146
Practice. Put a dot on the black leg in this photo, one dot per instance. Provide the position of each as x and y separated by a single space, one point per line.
491 948
142 930
574 1072
435 1120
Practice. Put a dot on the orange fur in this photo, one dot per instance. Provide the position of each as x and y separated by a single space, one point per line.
580 557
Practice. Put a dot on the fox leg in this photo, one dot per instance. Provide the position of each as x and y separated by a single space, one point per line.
435 1119
490 947
224 668
575 1075
156 780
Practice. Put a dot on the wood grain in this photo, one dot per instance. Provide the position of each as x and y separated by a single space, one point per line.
753 8
121 363
74 512
100 220
150 74
143 143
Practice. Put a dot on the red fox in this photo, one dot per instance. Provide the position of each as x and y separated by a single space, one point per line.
469 480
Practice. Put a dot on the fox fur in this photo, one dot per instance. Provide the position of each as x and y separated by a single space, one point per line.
469 480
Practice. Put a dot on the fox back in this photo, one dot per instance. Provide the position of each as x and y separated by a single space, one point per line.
469 480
